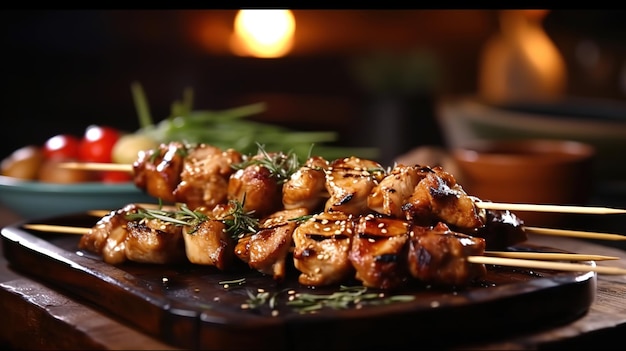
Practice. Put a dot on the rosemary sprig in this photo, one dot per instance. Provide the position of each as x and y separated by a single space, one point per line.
184 216
228 284
259 299
301 218
346 297
280 165
238 222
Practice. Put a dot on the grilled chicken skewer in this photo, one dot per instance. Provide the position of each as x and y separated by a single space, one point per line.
159 173
327 248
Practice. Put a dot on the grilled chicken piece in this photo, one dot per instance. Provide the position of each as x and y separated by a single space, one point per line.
267 250
437 256
208 243
438 197
258 186
158 172
307 186
394 190
379 252
204 177
118 239
110 231
154 241
321 249
349 181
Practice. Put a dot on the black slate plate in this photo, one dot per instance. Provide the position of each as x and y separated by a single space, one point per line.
187 306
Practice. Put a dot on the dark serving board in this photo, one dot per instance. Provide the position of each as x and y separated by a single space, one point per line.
187 306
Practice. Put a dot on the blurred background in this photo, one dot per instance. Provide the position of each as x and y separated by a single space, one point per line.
375 76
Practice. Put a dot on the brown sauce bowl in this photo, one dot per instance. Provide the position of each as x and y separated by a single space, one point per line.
531 171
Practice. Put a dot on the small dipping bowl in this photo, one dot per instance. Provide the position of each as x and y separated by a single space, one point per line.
530 171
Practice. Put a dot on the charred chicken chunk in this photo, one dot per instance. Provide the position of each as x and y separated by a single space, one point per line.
379 252
204 177
267 250
437 256
117 239
307 186
321 249
349 181
438 197
158 172
209 244
109 231
257 185
389 196
154 241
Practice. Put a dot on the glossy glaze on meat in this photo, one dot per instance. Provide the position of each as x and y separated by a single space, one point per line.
321 247
158 171
205 175
379 251
267 250
307 186
349 181
437 256
438 198
118 239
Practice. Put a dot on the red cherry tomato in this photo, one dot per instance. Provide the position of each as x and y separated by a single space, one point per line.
62 146
115 177
97 144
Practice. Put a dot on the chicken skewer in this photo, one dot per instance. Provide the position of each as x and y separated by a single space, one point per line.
380 252
549 256
204 176
306 186
479 203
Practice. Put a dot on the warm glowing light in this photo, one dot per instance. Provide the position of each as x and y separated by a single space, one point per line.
263 33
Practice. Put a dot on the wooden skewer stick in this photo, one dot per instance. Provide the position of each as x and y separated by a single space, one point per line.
574 233
529 230
548 208
550 256
102 213
94 166
549 265
495 254
56 228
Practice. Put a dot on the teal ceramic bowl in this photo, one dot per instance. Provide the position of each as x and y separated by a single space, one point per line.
33 200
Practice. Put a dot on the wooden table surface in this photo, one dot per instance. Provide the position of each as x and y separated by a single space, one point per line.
36 316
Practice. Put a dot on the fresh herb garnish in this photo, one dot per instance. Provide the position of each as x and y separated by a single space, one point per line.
184 216
301 218
227 284
346 297
238 222
280 165
260 299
